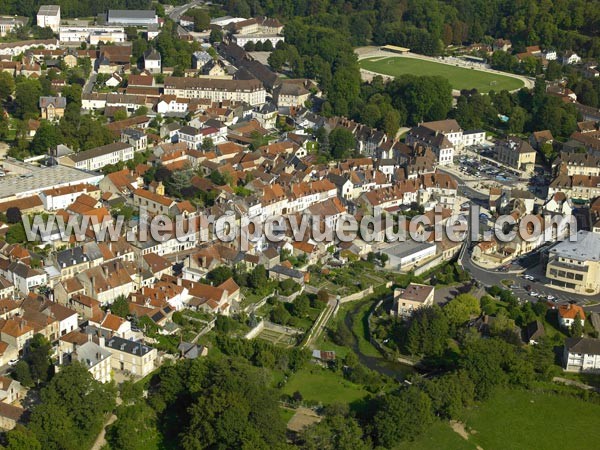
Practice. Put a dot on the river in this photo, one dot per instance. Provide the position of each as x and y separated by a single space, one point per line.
392 369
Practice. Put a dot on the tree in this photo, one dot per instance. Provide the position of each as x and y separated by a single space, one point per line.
428 332
216 36
280 315
27 94
236 408
483 359
120 114
401 416
577 327
7 85
450 393
276 59
13 215
72 409
141 111
341 143
553 71
258 277
20 438
323 295
22 374
120 306
337 431
341 335
219 275
201 19
461 308
301 305
38 358
207 144
16 234
135 428
267 46
47 137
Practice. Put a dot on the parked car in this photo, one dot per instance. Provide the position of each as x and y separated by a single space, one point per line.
13 362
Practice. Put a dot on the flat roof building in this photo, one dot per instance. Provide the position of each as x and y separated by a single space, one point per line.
575 265
135 17
48 16
24 179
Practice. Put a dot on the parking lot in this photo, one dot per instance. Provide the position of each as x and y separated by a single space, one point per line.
485 170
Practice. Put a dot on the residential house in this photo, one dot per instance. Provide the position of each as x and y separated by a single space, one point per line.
99 157
581 354
25 278
152 61
10 390
52 108
96 358
516 153
16 333
415 296
570 58
567 314
131 357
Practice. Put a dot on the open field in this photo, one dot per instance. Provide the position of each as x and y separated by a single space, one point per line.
518 419
459 77
323 385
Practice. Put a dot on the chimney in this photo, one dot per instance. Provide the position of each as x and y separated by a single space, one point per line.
101 341
105 269
89 336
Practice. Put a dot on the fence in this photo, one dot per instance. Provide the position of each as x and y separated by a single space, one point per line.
357 295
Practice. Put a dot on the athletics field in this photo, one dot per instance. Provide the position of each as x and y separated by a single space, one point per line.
459 77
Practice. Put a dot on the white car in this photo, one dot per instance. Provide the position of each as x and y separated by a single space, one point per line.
13 362
551 297
534 294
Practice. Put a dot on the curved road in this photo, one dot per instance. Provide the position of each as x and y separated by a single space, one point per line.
492 277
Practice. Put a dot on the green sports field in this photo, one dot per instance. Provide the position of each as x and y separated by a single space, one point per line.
459 77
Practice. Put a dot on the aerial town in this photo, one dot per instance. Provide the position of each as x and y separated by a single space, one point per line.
178 187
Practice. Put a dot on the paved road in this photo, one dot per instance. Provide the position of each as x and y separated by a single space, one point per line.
493 277
89 84
466 190
179 11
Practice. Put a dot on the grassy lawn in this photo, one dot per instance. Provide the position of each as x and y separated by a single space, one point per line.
439 436
322 385
286 414
516 419
459 77
360 329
